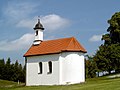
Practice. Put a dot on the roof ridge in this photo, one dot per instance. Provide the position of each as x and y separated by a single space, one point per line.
78 44
70 42
58 39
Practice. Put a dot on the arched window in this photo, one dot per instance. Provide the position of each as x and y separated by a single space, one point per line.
36 33
40 67
49 67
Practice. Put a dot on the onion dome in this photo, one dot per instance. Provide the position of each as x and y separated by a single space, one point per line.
38 25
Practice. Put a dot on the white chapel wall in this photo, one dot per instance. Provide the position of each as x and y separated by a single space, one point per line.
33 78
68 68
72 69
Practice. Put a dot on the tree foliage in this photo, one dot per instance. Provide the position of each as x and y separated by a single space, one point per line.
113 35
12 72
114 28
90 67
107 58
2 65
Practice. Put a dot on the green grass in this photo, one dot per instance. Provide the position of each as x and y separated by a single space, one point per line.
101 83
4 84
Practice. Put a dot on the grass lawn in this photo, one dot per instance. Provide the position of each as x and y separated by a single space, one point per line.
101 83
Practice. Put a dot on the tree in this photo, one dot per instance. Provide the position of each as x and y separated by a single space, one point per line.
15 71
113 35
115 56
112 40
90 67
12 72
103 60
107 57
21 73
2 65
7 70
18 72
114 28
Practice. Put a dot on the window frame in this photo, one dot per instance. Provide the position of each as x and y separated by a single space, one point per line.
50 67
40 68
36 32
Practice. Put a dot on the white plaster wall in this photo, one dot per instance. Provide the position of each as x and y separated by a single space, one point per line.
72 69
32 76
40 35
68 68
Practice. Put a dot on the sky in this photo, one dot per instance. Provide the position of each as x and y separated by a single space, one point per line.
86 20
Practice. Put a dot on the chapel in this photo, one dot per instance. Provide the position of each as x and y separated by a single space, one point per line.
54 62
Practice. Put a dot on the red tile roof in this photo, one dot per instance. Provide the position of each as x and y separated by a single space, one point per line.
55 46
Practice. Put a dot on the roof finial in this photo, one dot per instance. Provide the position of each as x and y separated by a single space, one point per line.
38 19
38 25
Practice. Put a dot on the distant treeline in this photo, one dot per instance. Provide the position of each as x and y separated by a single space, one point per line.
11 71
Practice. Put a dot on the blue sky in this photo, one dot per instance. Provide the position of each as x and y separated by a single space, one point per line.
84 19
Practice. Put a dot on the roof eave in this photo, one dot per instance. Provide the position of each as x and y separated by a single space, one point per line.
56 52
74 51
41 54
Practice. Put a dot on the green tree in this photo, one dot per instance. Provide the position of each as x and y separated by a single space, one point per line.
112 40
12 72
90 67
18 73
21 73
7 70
24 73
107 57
114 56
2 65
103 60
114 28
113 35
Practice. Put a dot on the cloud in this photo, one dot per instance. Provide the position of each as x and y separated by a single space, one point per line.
54 22
20 15
19 10
21 43
50 22
95 38
18 44
27 23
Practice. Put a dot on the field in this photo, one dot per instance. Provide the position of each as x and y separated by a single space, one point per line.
101 83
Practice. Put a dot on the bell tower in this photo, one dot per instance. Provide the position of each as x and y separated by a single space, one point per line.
38 33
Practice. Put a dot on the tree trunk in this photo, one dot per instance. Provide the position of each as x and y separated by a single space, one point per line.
109 71
98 74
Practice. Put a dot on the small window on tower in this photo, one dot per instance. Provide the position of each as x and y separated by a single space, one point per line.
36 33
